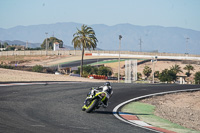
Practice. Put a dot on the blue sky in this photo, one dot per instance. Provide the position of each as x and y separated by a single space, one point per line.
168 13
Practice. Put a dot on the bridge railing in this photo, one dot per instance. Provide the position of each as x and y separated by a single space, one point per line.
78 52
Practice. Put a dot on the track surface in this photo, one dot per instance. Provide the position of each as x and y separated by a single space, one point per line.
56 108
86 62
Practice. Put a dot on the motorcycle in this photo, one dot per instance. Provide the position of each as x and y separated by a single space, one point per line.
94 101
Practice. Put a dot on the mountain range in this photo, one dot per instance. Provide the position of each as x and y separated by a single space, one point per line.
134 38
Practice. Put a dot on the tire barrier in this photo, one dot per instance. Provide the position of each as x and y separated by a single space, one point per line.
88 54
98 76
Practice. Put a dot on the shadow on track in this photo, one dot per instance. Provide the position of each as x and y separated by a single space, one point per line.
104 112
122 113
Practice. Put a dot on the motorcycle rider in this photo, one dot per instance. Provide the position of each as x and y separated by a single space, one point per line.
108 90
105 88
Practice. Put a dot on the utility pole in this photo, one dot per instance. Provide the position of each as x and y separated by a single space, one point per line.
46 42
53 34
187 45
154 60
140 44
120 37
26 44
1 46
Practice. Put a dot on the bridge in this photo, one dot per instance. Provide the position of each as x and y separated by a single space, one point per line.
104 54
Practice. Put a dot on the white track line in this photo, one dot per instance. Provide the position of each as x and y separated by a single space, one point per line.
36 83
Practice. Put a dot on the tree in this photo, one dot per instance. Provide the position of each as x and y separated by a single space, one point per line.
167 75
84 39
188 68
1 45
139 75
176 68
147 71
50 42
104 71
197 77
11 48
156 74
5 44
87 70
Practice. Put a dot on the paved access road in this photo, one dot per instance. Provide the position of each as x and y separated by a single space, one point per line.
56 108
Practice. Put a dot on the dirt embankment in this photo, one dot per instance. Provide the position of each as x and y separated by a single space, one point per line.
7 75
181 108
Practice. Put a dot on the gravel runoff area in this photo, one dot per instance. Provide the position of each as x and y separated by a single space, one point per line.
181 108
8 75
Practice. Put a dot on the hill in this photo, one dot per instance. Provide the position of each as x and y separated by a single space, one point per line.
163 39
18 42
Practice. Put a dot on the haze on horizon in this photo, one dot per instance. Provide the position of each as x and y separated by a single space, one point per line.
167 13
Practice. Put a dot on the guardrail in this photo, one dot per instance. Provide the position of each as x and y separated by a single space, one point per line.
78 52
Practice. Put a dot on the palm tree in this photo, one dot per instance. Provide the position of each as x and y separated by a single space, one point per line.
188 68
176 68
84 39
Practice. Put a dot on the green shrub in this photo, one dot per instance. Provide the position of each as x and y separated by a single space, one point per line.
6 66
139 75
37 68
197 77
104 71
87 70
167 76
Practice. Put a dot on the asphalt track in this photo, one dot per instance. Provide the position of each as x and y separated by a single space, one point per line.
88 61
56 108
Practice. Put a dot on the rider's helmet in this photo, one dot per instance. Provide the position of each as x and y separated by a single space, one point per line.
107 87
107 84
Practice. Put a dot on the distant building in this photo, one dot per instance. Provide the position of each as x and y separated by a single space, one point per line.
19 47
2 49
56 46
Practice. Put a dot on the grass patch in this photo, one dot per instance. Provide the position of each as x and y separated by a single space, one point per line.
62 63
145 112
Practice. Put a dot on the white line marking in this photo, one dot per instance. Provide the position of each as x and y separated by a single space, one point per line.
116 114
36 83
141 123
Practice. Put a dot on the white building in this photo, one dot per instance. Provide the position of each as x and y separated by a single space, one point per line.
1 49
56 46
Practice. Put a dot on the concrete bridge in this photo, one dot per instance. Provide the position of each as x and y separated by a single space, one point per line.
110 54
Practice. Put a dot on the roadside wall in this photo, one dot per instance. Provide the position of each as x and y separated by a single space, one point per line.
78 52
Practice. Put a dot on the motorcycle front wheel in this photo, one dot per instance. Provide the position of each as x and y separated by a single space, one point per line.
92 105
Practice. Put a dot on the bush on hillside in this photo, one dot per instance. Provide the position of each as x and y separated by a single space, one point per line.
88 70
197 77
6 66
37 68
